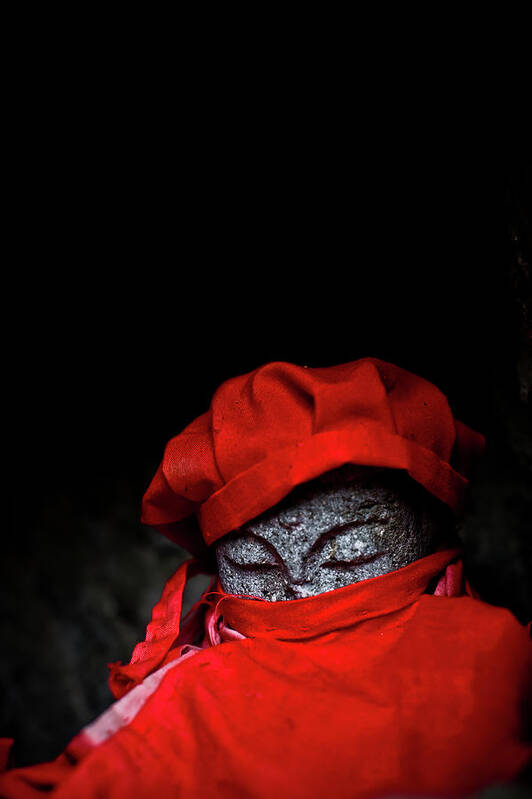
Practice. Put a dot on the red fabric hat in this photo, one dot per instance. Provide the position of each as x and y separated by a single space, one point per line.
280 425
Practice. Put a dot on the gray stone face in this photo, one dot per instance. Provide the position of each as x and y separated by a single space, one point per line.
350 524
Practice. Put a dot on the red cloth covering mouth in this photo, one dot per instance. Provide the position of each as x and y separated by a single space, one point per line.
373 690
282 424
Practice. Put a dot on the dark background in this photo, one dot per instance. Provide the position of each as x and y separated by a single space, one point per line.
148 287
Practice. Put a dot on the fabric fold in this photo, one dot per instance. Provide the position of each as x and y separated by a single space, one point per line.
298 619
166 634
399 690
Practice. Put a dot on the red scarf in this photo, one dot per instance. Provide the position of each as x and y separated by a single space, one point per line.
375 689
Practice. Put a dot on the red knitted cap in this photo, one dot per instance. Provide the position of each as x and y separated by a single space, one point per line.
280 425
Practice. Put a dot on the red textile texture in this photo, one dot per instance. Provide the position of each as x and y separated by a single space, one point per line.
281 425
371 690
166 635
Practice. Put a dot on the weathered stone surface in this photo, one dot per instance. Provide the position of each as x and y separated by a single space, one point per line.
350 524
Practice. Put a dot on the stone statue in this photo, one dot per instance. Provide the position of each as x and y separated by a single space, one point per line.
349 524
339 648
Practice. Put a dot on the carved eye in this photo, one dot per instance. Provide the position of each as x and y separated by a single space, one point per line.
251 566
357 560
257 567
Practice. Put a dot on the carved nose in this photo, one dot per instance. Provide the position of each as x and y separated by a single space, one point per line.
302 590
297 574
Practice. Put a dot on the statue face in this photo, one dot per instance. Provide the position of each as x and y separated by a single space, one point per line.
348 525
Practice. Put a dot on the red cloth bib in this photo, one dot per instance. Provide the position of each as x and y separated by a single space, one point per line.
375 689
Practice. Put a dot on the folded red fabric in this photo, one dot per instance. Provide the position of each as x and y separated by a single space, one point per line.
282 424
380 688
372 690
